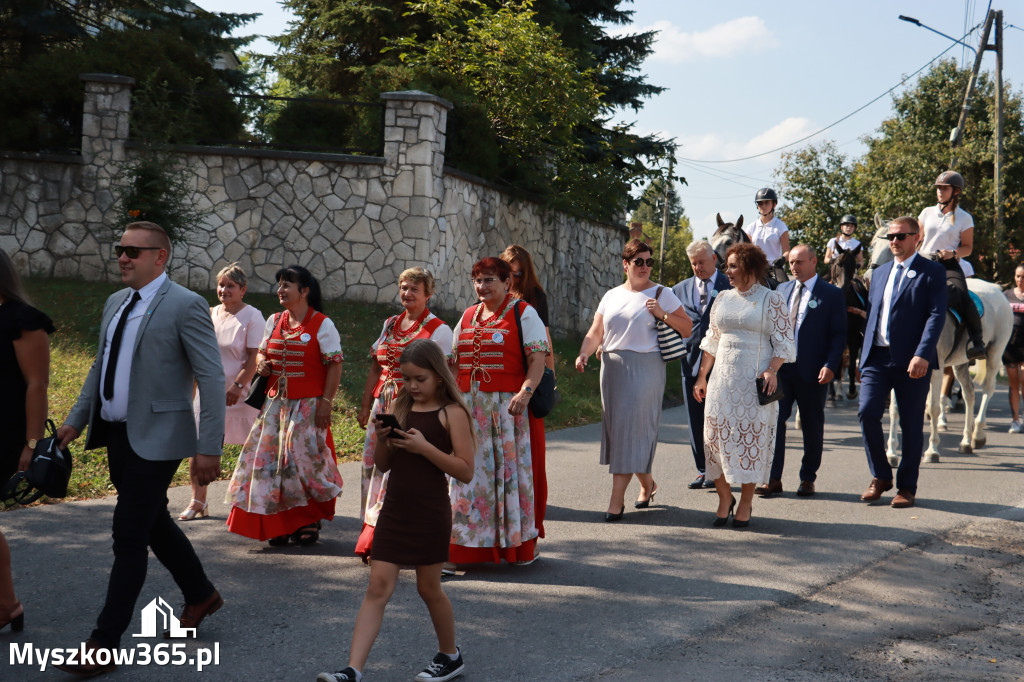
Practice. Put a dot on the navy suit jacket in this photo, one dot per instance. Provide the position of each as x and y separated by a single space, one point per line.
686 292
917 316
823 332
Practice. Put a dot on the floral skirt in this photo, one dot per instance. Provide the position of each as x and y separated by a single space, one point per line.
493 515
287 475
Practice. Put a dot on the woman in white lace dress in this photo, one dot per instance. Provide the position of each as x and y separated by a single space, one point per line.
751 336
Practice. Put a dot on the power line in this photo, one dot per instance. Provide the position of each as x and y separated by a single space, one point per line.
760 181
831 125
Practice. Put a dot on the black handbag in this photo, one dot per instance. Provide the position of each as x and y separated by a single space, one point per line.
257 391
545 396
260 384
48 473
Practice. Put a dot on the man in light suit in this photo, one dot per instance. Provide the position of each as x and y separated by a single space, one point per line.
906 311
698 294
156 339
818 312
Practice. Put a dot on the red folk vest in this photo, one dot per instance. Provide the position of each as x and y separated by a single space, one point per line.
395 340
489 350
297 352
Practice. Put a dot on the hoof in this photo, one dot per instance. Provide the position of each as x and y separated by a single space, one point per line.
894 460
980 442
931 457
965 449
942 425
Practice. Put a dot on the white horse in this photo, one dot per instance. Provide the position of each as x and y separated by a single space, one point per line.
996 326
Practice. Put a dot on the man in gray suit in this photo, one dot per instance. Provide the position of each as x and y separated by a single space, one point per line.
156 339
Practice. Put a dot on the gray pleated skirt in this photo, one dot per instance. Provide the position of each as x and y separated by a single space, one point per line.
632 387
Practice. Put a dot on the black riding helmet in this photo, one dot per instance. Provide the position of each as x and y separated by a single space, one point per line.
848 219
951 178
766 194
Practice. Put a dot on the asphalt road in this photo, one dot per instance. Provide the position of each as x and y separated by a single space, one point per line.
820 588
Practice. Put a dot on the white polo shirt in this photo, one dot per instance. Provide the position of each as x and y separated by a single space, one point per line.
767 236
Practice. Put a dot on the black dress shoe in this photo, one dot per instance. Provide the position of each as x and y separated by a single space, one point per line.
614 517
697 482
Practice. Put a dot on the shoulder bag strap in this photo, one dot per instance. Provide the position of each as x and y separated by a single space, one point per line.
519 328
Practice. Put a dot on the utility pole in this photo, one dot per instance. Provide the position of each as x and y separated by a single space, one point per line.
957 134
997 180
664 218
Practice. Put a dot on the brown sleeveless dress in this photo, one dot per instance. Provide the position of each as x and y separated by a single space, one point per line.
415 523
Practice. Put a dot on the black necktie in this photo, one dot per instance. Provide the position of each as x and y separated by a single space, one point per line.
115 346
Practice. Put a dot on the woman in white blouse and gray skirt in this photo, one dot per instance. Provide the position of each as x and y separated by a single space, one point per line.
632 373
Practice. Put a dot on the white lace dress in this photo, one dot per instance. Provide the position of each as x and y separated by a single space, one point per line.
739 434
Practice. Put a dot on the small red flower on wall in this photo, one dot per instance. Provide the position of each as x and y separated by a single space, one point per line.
134 214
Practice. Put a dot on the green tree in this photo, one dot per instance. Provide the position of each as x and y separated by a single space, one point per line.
534 84
679 234
911 148
165 42
814 193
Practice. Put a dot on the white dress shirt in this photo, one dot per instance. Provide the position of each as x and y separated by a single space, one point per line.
882 332
116 409
805 297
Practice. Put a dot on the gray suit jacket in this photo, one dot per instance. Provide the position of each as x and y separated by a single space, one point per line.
175 346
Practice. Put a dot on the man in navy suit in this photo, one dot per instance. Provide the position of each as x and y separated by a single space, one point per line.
818 312
698 294
906 311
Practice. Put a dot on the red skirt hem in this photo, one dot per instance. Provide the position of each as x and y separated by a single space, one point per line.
483 555
264 527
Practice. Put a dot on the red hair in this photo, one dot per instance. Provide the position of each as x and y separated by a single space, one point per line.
492 266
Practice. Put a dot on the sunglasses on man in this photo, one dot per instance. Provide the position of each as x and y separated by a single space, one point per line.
640 262
899 236
133 251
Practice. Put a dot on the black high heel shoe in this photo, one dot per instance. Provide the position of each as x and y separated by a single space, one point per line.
736 523
720 521
644 504
15 618
608 516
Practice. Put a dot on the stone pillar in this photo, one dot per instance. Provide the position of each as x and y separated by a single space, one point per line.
414 145
105 113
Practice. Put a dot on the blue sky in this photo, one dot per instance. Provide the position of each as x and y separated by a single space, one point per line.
745 77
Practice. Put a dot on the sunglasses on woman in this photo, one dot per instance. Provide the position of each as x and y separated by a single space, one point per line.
133 251
640 262
899 236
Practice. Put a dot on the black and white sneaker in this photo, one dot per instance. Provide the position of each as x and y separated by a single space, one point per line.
442 668
346 675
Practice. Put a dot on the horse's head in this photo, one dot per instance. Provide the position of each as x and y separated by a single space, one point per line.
844 266
725 236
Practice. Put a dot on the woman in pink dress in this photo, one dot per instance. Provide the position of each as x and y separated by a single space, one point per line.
239 329
415 287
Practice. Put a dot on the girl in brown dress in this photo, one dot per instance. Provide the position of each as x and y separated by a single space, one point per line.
415 523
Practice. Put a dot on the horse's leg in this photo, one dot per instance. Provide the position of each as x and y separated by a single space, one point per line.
932 410
854 345
988 389
894 431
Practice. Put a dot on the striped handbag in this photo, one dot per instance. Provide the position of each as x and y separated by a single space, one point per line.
670 343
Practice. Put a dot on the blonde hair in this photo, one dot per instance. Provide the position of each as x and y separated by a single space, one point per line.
426 354
418 276
163 241
235 273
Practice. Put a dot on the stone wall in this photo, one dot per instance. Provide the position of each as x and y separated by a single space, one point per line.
354 221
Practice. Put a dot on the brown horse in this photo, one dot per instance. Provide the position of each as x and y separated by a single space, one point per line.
844 275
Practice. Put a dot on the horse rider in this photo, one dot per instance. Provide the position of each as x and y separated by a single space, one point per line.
845 241
948 236
769 233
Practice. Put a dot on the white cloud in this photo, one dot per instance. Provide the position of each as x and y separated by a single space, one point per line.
746 34
784 133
